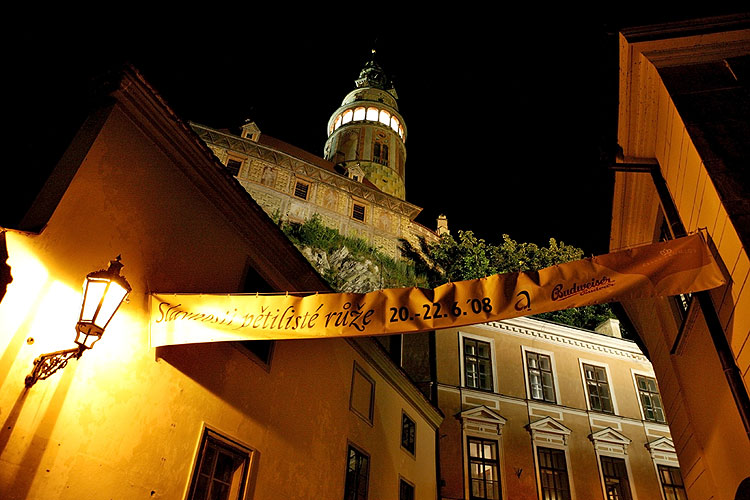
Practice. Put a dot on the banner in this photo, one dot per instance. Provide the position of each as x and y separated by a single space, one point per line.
674 267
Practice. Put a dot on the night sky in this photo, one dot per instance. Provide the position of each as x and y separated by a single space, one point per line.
511 116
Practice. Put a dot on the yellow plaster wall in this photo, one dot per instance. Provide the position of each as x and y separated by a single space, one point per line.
707 432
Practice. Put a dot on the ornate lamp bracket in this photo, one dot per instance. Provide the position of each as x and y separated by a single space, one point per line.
47 364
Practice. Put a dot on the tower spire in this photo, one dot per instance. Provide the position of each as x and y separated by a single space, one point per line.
368 131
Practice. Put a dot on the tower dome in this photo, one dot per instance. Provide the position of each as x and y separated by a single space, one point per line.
367 131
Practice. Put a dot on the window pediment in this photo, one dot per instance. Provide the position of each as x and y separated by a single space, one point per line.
610 440
483 420
548 430
663 444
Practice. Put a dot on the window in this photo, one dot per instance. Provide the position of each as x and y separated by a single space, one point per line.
380 151
260 351
301 189
483 469
648 393
221 470
372 114
553 474
671 483
541 380
358 211
477 364
347 117
598 388
234 166
616 484
408 433
359 114
362 398
357 472
405 490
385 118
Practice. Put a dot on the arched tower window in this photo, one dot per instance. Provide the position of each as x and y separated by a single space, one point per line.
359 114
385 118
347 116
372 114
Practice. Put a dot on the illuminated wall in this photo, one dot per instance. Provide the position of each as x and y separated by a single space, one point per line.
658 129
507 412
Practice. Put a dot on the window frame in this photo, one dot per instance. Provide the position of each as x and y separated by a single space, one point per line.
237 159
404 482
209 435
413 441
598 364
628 474
674 487
540 468
553 370
302 182
367 418
358 453
492 362
638 391
355 204
483 461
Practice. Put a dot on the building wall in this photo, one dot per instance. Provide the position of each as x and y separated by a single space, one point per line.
526 421
125 420
709 436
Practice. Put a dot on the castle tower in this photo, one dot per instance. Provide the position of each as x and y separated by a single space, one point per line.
367 134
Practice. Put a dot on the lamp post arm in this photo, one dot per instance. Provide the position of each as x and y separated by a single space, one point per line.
47 364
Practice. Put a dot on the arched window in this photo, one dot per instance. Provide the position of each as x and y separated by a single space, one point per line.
372 114
359 114
337 124
347 116
394 123
385 118
401 132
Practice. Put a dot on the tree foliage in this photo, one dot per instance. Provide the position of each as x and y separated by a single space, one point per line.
469 257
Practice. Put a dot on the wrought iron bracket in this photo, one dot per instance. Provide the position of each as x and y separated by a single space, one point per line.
47 364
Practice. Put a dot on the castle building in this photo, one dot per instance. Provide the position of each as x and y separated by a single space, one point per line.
357 187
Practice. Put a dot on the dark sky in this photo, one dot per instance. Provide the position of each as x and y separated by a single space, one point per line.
508 114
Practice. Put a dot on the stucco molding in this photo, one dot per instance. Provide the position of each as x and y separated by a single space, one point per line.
547 430
569 336
611 441
483 420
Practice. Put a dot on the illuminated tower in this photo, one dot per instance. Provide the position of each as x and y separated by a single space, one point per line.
366 134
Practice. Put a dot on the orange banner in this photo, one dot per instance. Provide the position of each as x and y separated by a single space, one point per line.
674 267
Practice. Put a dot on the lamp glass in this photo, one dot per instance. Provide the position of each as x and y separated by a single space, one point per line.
110 302
92 297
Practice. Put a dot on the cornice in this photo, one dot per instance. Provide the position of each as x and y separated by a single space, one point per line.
567 336
287 161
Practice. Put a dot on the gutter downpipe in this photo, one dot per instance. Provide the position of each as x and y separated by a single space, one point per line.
719 338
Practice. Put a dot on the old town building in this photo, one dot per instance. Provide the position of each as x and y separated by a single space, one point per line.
683 129
535 409
330 418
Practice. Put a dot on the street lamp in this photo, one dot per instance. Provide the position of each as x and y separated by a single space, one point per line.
103 292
